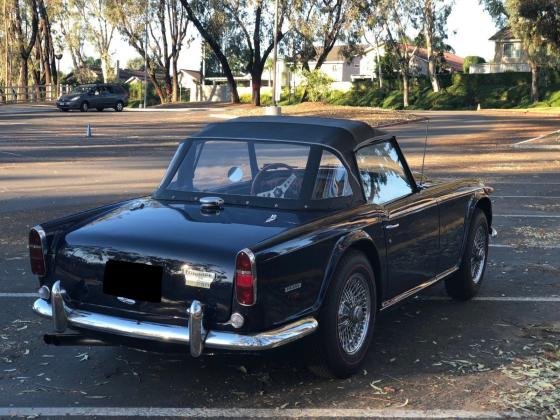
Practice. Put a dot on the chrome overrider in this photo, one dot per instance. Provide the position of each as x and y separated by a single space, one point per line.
194 334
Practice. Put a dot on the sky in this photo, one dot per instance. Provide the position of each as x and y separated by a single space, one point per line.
469 28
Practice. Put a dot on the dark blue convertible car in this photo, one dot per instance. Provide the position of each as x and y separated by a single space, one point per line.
263 231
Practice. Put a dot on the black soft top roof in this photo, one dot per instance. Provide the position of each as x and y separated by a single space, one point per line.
340 134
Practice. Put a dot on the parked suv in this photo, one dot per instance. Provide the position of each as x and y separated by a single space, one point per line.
98 96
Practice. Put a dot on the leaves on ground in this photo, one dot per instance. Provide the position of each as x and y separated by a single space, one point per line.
538 377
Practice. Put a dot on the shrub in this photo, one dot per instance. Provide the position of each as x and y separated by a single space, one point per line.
470 60
317 84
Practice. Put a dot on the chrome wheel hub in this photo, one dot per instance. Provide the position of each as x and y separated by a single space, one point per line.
478 254
354 314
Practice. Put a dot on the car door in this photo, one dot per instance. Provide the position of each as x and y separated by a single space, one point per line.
105 97
411 226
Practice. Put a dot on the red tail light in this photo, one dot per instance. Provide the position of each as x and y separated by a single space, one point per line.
245 278
36 251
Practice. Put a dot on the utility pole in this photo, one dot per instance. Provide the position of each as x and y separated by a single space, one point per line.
146 59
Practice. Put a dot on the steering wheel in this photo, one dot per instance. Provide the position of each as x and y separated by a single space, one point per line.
278 191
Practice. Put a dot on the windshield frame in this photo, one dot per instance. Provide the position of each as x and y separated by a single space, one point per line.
305 202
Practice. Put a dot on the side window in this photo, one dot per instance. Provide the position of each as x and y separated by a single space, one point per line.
382 173
332 178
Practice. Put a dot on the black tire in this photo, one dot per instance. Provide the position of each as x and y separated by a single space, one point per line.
332 359
119 106
465 283
99 108
84 106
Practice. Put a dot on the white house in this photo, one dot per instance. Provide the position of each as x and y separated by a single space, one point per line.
509 55
343 71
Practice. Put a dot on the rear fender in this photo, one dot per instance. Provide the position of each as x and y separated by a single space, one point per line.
479 200
341 247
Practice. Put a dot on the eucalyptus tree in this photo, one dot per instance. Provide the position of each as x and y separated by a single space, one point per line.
97 20
537 24
432 21
69 22
399 17
316 26
25 29
251 21
167 26
533 22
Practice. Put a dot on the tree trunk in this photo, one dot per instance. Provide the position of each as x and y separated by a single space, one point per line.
534 82
106 67
406 89
428 35
175 81
216 49
24 77
256 81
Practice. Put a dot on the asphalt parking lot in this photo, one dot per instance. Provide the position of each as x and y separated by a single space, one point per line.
430 356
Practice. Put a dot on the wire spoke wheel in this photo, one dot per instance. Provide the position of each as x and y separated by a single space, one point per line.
354 314
478 254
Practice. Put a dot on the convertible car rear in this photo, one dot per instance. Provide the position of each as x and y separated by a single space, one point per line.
263 231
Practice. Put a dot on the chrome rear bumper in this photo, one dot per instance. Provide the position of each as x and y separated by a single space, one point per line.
193 335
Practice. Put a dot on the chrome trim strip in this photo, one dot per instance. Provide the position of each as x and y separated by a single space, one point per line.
180 334
418 288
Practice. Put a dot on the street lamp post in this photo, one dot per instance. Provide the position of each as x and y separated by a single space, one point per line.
58 58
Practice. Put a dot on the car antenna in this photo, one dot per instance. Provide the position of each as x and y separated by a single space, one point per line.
424 155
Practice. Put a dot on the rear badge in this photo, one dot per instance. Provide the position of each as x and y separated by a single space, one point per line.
292 287
198 278
126 300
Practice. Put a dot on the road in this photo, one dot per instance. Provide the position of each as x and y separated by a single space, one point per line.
428 355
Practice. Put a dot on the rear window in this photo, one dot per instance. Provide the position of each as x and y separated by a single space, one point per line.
268 170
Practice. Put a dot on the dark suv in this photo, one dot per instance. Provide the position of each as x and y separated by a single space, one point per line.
98 96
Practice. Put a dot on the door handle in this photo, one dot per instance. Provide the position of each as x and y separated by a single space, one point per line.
396 225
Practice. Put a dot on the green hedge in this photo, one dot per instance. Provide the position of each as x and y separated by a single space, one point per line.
458 91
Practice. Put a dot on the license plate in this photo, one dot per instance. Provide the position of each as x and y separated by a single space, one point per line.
133 281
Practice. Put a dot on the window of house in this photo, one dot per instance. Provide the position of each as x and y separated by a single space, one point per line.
511 50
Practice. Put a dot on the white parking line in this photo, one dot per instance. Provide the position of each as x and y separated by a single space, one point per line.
18 295
539 216
251 412
547 197
523 246
540 299
481 298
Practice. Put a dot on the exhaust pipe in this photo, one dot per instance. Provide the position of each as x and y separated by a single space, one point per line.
72 340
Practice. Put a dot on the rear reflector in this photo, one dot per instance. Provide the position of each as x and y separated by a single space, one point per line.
36 252
245 278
